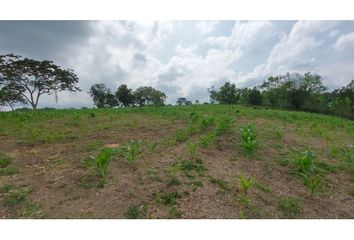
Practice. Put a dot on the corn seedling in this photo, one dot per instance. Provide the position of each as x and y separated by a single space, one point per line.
192 148
101 163
206 140
132 150
249 139
222 125
245 184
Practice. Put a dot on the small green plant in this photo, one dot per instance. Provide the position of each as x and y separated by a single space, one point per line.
278 133
16 195
173 212
167 198
4 160
132 150
308 170
9 170
192 148
221 183
195 185
249 139
190 165
207 139
290 207
312 182
30 211
137 212
306 162
245 184
153 174
222 125
7 187
174 181
101 163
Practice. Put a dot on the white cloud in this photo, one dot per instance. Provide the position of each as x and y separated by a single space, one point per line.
206 27
345 42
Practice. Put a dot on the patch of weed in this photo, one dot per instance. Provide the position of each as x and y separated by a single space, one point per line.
290 206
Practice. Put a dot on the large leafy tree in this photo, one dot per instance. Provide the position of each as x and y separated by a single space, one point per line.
254 97
125 95
102 96
149 96
31 78
227 94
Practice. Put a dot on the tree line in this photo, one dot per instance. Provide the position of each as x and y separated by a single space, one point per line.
126 97
302 92
24 81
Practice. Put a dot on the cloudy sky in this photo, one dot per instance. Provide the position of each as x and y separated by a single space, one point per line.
183 58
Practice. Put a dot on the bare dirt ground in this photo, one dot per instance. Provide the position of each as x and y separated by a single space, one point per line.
58 183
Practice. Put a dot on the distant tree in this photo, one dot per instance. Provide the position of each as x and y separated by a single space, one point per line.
197 102
125 95
213 93
149 96
255 97
227 94
111 99
188 102
101 95
181 101
31 78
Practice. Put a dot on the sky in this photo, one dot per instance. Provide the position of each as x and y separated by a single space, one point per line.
182 58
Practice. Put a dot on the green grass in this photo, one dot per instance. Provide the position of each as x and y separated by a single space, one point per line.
167 198
221 183
4 160
137 212
15 196
290 206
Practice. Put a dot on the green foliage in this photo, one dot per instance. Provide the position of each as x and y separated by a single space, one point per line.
38 77
190 165
221 183
307 168
174 181
167 198
131 150
14 195
249 139
102 96
149 96
4 160
173 212
192 148
101 163
223 124
245 184
9 170
137 212
207 139
31 211
152 173
125 95
290 206
227 94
